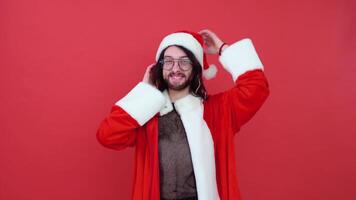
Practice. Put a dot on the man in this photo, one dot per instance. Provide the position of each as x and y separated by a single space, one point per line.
183 136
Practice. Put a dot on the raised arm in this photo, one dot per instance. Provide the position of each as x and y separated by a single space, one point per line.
239 104
118 130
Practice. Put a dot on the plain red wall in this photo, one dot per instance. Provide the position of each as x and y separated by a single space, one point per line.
65 63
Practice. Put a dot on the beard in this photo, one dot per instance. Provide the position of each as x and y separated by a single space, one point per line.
178 86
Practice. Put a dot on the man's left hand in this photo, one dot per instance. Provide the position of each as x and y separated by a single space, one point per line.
212 41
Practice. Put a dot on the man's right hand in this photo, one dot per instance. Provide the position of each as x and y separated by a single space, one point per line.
146 77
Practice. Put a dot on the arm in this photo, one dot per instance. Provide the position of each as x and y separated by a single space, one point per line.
243 100
251 87
118 130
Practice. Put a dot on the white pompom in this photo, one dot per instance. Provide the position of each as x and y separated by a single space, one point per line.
210 72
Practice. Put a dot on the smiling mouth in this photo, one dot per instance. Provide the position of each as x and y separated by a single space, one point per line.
176 77
177 81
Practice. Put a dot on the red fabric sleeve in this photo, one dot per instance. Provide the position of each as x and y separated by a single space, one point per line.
118 130
244 99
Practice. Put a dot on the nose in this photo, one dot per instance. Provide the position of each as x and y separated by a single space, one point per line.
175 66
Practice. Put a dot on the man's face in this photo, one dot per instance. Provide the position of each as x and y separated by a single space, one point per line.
176 78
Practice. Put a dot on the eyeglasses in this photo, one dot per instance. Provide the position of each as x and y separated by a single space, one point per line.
184 64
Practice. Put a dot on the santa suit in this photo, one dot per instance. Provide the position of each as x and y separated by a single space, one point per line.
210 126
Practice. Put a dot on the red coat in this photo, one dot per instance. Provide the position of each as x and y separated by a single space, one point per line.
224 114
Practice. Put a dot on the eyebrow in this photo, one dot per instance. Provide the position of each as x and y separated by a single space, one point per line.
173 57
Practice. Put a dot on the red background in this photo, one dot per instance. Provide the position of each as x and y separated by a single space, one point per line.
65 63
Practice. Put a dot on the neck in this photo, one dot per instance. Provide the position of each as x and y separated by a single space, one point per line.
174 95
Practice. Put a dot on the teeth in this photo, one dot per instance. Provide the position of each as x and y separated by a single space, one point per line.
177 76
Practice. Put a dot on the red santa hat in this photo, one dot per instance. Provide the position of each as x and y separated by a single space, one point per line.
193 42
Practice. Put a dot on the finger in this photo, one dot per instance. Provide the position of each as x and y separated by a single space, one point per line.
207 32
205 35
208 38
210 34
204 31
150 67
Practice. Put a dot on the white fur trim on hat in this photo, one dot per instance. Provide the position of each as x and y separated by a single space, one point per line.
182 39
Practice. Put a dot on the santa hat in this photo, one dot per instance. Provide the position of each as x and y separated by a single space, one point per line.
194 43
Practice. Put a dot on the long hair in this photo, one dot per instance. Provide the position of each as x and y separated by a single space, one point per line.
196 86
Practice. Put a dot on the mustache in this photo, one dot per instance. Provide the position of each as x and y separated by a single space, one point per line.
176 74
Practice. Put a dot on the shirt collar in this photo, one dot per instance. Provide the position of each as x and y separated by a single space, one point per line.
182 105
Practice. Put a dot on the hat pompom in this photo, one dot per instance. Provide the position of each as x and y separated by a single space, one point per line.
210 72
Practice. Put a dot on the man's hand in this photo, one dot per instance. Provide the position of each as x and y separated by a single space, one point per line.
212 42
146 77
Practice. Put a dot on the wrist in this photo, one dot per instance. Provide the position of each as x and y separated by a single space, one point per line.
223 46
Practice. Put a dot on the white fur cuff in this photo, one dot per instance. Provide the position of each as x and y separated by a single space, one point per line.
240 57
142 102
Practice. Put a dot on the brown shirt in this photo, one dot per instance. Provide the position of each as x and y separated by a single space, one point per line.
177 178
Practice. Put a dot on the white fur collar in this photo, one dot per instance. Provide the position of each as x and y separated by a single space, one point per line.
182 105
